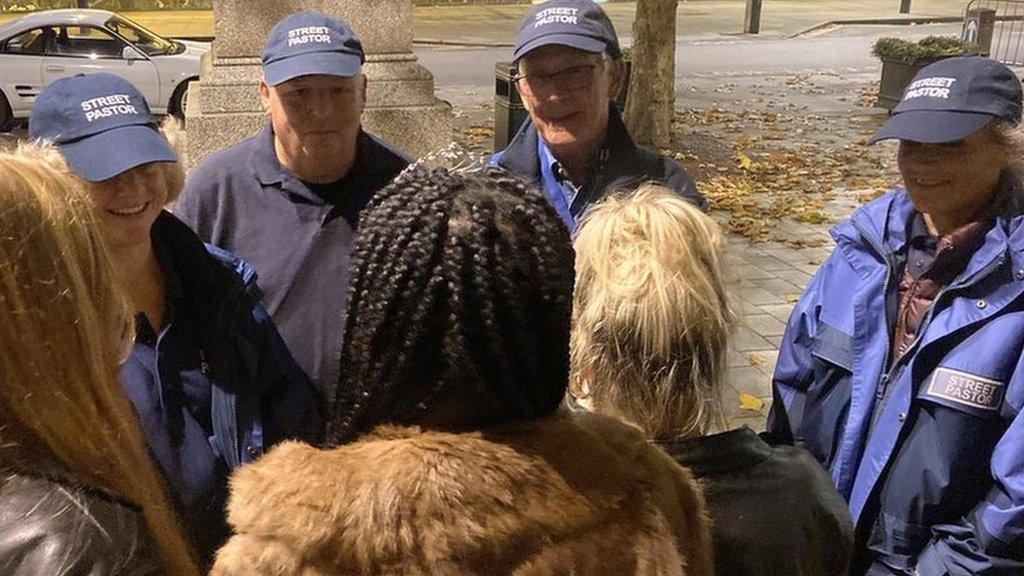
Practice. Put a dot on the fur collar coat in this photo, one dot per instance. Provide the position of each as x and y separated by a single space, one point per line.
571 494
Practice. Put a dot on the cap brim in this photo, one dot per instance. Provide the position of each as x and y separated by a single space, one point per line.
313 63
107 154
931 126
585 43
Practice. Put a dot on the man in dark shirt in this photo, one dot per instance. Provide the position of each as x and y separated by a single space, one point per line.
575 145
288 199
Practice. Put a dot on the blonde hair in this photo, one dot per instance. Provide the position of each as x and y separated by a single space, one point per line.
63 333
650 317
174 172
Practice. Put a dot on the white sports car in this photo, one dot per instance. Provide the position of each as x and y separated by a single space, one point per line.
41 47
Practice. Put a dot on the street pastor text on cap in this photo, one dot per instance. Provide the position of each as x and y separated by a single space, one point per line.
953 98
311 43
579 24
100 123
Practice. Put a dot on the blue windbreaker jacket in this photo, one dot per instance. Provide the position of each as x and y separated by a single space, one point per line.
937 484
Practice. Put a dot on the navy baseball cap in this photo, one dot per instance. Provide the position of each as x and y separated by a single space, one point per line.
101 125
953 98
311 43
579 24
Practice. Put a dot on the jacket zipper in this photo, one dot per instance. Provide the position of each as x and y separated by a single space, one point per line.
585 192
204 366
887 373
977 277
890 266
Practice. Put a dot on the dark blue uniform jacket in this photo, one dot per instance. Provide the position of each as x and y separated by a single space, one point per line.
216 386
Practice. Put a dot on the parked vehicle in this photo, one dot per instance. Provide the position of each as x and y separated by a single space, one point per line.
41 47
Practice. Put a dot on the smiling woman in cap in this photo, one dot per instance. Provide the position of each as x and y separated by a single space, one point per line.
208 375
901 367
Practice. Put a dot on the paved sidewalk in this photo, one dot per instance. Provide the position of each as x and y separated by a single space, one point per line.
764 282
496 25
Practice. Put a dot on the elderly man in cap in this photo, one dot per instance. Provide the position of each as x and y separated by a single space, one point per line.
575 145
901 367
288 199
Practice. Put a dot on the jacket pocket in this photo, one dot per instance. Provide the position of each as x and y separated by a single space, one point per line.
828 396
942 467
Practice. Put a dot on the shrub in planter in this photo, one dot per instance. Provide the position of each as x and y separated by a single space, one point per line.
902 60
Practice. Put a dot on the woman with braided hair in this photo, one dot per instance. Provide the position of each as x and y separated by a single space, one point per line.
452 455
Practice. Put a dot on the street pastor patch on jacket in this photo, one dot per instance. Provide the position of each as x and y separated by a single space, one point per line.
964 391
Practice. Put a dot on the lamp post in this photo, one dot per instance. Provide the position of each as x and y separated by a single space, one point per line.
752 18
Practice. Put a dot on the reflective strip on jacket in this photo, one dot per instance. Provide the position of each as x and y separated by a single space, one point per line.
939 479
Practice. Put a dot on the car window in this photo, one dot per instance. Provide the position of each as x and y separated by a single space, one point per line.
31 43
148 42
86 42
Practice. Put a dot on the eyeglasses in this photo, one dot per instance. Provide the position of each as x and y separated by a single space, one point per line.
568 80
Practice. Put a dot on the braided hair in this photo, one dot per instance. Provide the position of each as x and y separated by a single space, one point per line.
460 286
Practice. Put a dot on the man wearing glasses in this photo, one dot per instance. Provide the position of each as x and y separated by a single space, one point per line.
575 145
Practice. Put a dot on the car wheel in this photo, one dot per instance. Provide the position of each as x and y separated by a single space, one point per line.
7 121
180 100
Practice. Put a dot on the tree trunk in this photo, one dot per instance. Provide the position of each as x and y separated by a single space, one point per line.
652 90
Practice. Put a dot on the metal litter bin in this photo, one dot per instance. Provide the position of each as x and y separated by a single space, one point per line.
509 112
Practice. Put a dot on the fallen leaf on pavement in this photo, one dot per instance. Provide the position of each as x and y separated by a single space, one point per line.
750 402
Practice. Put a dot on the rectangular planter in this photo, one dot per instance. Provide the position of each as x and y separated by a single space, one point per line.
895 78
896 75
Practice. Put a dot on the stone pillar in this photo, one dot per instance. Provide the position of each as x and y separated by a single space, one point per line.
224 106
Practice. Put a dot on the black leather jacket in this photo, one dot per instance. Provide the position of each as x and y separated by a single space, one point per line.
54 528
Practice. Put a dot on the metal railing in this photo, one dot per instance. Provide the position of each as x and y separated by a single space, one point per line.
1005 39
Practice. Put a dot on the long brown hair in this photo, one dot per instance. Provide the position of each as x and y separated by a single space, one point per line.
63 333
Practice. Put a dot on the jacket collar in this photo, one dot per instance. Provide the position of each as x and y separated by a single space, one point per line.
198 274
886 223
717 453
212 294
